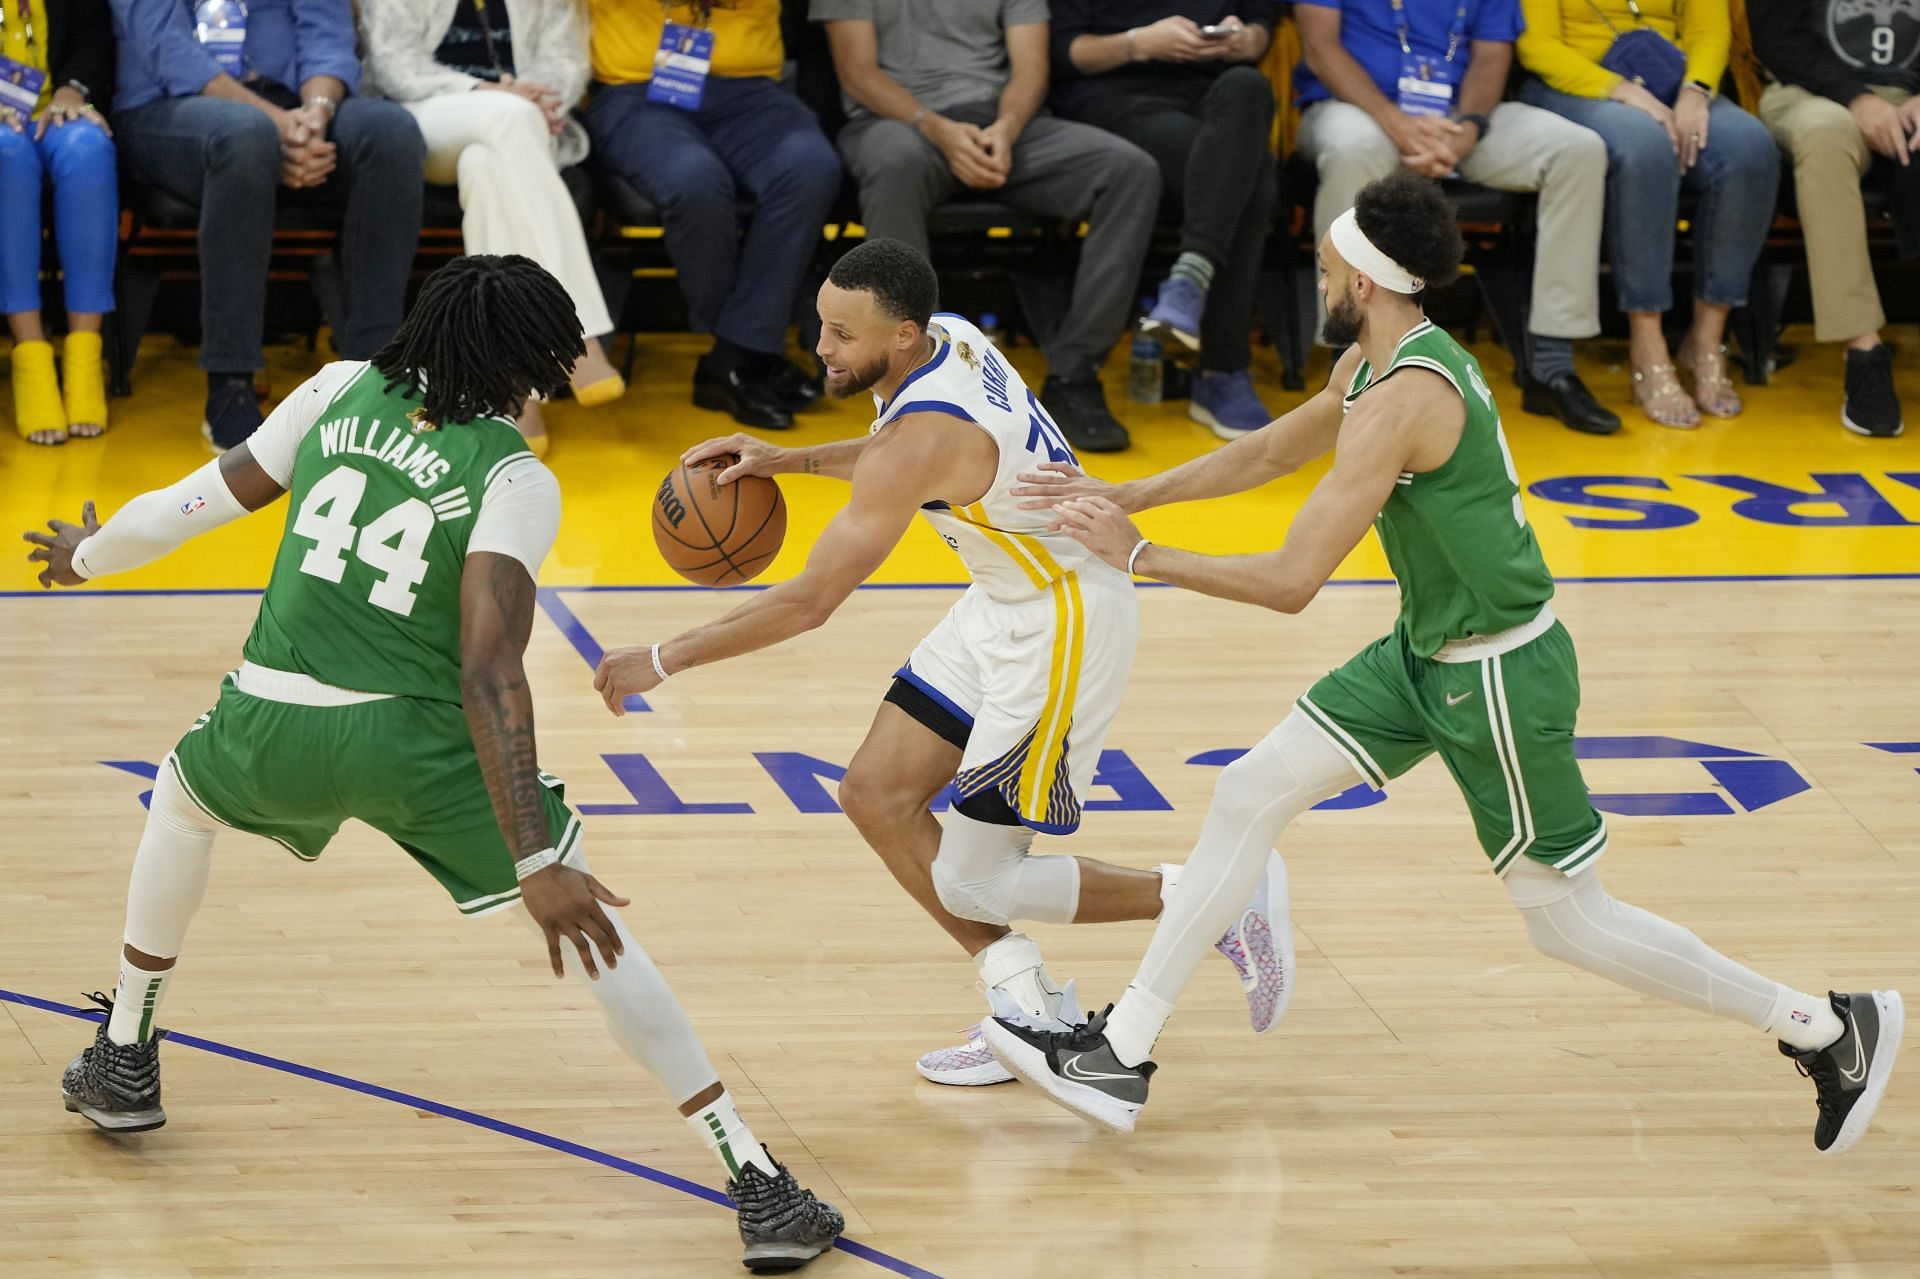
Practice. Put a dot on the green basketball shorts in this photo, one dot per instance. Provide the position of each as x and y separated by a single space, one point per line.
405 766
1503 724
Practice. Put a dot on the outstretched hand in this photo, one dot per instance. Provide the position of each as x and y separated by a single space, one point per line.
1054 482
623 672
566 903
56 548
1099 525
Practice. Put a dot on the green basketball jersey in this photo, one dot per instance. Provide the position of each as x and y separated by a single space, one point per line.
1456 537
365 593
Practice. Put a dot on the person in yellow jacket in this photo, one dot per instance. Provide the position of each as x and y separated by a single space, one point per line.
689 109
1697 140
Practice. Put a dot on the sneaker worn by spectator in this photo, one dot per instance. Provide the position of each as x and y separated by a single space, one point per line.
233 410
1176 313
1228 404
1872 407
1079 407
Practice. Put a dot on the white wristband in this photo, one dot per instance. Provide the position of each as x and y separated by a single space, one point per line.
1138 547
659 669
527 867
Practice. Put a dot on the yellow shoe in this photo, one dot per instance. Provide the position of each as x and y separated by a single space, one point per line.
83 373
37 414
603 391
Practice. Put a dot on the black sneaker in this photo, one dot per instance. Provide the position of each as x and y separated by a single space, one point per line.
749 400
1871 407
782 1226
793 386
117 1086
232 413
1080 409
1850 1074
1076 1068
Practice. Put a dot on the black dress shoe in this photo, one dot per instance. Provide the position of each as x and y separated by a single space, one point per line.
750 400
795 387
1567 398
1079 408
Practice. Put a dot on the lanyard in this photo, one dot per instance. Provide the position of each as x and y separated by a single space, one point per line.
486 33
1453 35
26 18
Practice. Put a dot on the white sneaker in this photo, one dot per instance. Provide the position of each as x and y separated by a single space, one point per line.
971 1065
1260 944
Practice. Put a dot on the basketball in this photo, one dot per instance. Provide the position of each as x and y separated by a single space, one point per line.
714 534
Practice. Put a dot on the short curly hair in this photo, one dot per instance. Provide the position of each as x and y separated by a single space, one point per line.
1408 219
898 275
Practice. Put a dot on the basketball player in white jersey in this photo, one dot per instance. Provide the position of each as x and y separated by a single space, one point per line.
1010 697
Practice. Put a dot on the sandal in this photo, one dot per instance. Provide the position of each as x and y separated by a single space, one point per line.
83 374
1712 387
37 414
1661 397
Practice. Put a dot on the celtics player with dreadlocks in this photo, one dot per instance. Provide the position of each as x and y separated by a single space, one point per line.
1476 670
383 680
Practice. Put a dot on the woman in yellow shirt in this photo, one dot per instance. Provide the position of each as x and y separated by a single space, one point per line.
61 142
1699 140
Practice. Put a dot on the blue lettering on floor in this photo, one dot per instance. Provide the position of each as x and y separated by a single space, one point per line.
1833 499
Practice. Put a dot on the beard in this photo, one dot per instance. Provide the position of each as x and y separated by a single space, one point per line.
1344 322
858 380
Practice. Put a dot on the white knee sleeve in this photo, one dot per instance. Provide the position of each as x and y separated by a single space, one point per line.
171 869
985 873
641 1012
1571 918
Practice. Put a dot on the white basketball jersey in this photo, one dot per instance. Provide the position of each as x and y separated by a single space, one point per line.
1007 551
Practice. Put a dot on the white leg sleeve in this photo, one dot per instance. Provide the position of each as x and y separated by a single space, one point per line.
1573 919
984 872
171 869
1292 769
641 1011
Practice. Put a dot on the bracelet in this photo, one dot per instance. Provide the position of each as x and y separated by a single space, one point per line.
1705 89
1138 547
322 100
659 669
527 867
918 116
1131 55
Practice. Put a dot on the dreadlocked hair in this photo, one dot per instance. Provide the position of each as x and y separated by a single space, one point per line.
486 332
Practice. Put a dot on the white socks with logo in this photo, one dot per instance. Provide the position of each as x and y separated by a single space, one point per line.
1804 1021
728 1136
134 1000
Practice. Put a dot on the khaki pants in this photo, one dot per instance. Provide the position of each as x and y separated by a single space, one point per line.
1830 156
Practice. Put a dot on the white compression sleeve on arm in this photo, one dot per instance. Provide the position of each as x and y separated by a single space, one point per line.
155 523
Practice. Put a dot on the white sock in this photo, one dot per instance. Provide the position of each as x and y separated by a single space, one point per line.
1013 967
1804 1021
728 1136
134 1000
1136 1023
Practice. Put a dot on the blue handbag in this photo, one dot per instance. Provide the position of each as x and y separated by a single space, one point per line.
1644 56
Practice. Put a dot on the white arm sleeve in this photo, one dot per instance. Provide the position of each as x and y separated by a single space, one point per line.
519 515
156 523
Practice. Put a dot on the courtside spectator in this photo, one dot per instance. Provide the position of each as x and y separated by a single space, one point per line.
58 139
1176 78
233 130
1673 131
1842 93
1389 85
491 86
717 126
947 97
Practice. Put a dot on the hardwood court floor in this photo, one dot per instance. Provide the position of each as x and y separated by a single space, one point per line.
1439 1101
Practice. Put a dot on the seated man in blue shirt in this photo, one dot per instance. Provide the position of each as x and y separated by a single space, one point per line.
222 132
1418 83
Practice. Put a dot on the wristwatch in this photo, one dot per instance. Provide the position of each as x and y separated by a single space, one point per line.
1704 87
1474 117
80 88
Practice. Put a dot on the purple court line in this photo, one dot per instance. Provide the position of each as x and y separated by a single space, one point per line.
580 637
560 1144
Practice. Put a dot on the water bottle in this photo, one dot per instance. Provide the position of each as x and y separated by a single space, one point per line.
1143 369
221 28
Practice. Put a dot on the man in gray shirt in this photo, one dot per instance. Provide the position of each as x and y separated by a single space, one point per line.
945 97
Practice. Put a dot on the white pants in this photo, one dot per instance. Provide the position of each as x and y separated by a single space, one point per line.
495 146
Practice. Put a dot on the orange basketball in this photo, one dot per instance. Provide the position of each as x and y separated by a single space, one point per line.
714 534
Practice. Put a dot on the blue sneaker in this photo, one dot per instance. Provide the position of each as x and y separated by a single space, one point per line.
1176 313
1227 403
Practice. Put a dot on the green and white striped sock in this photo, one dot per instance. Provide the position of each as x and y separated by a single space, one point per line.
135 1000
728 1136
1192 266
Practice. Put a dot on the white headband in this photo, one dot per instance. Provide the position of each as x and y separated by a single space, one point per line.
1364 256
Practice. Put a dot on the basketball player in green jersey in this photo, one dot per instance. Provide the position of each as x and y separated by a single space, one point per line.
383 680
1476 670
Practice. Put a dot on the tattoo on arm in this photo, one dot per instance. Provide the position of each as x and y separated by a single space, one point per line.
813 465
499 703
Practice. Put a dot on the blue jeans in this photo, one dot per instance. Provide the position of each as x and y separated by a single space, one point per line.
77 158
224 158
749 135
1736 179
